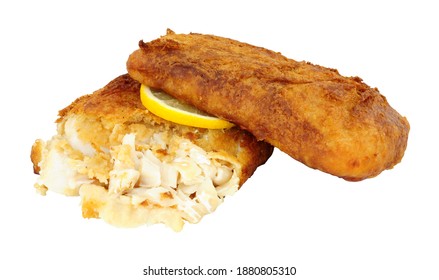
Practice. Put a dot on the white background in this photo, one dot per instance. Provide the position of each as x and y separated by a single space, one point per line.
51 52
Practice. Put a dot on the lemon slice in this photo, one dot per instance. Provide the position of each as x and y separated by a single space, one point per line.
167 107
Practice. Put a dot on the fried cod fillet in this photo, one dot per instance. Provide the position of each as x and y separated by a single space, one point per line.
329 122
132 168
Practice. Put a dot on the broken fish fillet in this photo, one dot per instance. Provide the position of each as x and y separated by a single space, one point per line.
329 122
131 167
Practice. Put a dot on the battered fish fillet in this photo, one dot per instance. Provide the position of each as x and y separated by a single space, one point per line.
131 167
336 124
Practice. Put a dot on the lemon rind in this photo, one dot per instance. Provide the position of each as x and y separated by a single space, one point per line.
177 115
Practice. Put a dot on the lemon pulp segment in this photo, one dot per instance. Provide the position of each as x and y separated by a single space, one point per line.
167 107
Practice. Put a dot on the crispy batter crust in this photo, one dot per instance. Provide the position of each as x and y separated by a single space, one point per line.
119 103
36 155
329 122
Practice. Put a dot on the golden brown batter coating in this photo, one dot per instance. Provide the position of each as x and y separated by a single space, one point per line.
329 122
131 167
